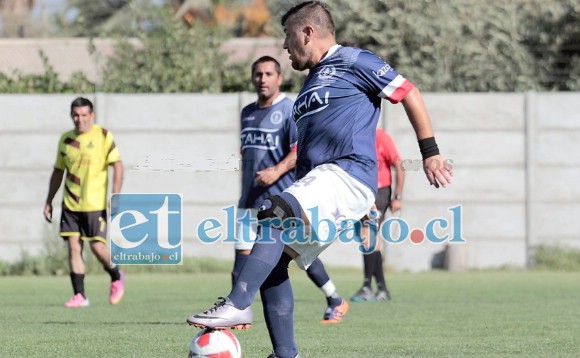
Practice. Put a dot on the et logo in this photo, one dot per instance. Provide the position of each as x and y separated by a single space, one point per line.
146 229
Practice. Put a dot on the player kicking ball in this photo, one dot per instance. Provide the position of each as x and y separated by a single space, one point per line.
336 113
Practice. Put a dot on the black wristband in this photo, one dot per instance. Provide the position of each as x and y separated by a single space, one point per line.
428 147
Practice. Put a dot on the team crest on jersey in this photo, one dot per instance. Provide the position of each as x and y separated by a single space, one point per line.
326 72
277 117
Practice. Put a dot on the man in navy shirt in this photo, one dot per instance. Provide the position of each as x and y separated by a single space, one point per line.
268 147
336 113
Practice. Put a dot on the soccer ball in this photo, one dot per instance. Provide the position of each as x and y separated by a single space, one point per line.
215 343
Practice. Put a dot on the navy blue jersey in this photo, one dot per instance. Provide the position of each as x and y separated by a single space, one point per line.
267 136
337 111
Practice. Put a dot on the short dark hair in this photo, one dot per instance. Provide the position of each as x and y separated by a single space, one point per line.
267 59
316 12
81 102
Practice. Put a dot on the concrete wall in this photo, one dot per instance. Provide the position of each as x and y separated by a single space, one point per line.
516 163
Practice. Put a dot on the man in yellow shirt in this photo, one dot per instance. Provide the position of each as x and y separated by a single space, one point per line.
85 154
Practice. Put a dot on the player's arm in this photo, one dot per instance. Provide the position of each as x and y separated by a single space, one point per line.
270 175
118 171
53 186
399 184
436 169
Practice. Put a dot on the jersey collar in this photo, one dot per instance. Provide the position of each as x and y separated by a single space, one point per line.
331 51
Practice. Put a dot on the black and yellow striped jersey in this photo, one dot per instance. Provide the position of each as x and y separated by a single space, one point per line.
86 157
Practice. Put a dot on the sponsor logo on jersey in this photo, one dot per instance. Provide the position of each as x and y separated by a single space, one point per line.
260 138
310 103
383 71
250 118
276 117
326 72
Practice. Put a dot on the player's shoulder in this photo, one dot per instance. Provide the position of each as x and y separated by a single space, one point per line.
70 134
101 131
249 108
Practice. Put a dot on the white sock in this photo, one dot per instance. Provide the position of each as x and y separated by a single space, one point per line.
329 289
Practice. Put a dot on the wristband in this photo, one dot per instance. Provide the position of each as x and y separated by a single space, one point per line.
428 147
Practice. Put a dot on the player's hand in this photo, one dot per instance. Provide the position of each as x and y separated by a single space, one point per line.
438 171
267 176
396 205
373 214
48 212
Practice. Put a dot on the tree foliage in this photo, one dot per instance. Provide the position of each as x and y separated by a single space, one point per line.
169 57
47 82
91 18
441 45
466 45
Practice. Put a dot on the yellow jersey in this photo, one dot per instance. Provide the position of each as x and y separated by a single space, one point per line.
86 158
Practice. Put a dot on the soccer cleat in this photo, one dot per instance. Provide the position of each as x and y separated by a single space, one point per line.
77 300
117 290
273 355
335 314
383 295
223 315
364 295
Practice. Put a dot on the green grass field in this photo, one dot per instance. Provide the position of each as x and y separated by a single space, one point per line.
438 314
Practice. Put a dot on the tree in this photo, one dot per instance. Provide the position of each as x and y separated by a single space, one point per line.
89 18
465 45
169 57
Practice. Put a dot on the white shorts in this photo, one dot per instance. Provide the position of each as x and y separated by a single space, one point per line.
246 231
327 193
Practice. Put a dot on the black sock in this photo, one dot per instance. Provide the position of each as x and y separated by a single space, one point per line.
369 268
378 273
278 305
78 283
114 273
239 262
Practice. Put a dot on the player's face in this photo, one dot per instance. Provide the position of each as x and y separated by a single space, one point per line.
82 118
295 43
266 82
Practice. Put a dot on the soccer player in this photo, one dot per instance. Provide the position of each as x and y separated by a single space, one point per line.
85 153
268 147
387 157
336 113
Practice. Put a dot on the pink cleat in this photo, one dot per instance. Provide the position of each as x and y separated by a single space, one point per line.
117 290
77 300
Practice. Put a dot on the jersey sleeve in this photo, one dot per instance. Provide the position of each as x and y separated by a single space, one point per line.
59 163
379 78
113 154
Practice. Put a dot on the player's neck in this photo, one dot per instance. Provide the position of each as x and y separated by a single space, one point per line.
267 102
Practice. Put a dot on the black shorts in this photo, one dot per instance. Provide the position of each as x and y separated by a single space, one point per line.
89 225
383 200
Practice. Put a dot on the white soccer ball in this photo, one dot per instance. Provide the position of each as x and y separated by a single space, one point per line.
215 343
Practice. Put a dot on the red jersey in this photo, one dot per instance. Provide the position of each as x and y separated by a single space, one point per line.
387 156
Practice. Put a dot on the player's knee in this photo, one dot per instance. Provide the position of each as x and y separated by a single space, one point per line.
274 211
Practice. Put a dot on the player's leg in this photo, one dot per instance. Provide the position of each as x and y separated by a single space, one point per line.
246 233
330 189
383 201
365 293
94 228
317 274
278 303
70 232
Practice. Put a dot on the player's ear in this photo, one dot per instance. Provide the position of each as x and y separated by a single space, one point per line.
308 32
